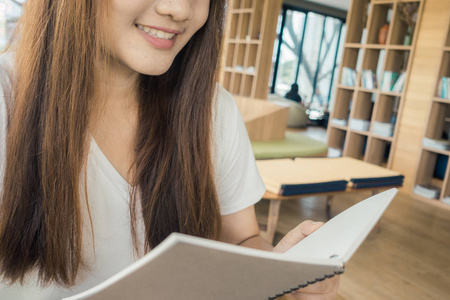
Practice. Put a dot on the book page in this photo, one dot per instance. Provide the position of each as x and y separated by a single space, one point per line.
340 237
191 268
186 267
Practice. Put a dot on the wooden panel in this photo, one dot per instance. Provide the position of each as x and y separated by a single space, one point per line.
421 87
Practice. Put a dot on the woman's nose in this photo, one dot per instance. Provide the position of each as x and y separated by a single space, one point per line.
178 10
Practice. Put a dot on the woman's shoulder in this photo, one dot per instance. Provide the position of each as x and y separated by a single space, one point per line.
226 109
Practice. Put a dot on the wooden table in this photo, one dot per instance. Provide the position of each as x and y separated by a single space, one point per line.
275 204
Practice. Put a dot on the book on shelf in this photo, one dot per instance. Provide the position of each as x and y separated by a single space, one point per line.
383 129
446 200
334 152
348 77
339 122
359 174
388 81
427 190
399 83
187 267
369 79
439 144
284 177
444 87
358 124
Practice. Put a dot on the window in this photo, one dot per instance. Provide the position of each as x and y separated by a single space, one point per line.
307 52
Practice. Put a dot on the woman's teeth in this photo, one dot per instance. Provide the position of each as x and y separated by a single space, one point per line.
156 33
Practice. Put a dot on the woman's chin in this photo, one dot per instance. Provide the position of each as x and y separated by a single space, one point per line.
153 70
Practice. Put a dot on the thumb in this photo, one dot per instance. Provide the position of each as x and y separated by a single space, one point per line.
296 235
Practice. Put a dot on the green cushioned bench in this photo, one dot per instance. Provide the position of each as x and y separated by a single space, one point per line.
293 145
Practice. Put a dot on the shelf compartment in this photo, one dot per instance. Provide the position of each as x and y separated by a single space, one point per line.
239 56
363 106
358 144
397 60
400 28
380 16
257 21
233 29
236 83
386 109
439 121
342 105
432 170
244 31
336 138
247 3
373 61
352 59
379 151
444 72
251 59
393 78
358 20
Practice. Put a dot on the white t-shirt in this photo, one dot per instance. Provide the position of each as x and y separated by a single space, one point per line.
238 184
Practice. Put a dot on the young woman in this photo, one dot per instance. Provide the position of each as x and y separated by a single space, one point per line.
114 134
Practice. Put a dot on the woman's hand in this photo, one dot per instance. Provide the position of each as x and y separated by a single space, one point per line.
322 290
242 228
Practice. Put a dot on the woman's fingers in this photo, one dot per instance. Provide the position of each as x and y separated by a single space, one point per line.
323 290
296 235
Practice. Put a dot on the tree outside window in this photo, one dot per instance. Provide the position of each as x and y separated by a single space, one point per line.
308 53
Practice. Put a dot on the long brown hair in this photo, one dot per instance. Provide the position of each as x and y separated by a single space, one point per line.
53 89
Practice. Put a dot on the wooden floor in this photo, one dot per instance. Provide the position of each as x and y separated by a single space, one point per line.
408 257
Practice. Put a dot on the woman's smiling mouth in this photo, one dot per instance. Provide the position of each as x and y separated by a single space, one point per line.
160 38
160 34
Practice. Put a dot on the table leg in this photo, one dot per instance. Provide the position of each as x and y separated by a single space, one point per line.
274 212
328 206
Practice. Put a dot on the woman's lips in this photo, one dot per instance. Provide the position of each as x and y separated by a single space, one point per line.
161 39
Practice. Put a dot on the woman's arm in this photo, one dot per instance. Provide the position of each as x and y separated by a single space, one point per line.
241 228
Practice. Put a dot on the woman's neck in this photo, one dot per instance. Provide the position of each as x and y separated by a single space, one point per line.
115 121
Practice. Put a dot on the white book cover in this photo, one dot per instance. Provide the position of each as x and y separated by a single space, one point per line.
186 267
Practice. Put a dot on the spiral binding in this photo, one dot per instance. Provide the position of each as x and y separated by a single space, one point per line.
306 284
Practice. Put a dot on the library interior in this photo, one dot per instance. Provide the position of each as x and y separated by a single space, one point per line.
343 100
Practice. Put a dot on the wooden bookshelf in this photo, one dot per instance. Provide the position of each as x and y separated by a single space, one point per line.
433 168
366 99
249 39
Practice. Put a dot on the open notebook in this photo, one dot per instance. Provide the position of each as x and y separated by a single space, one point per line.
185 267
